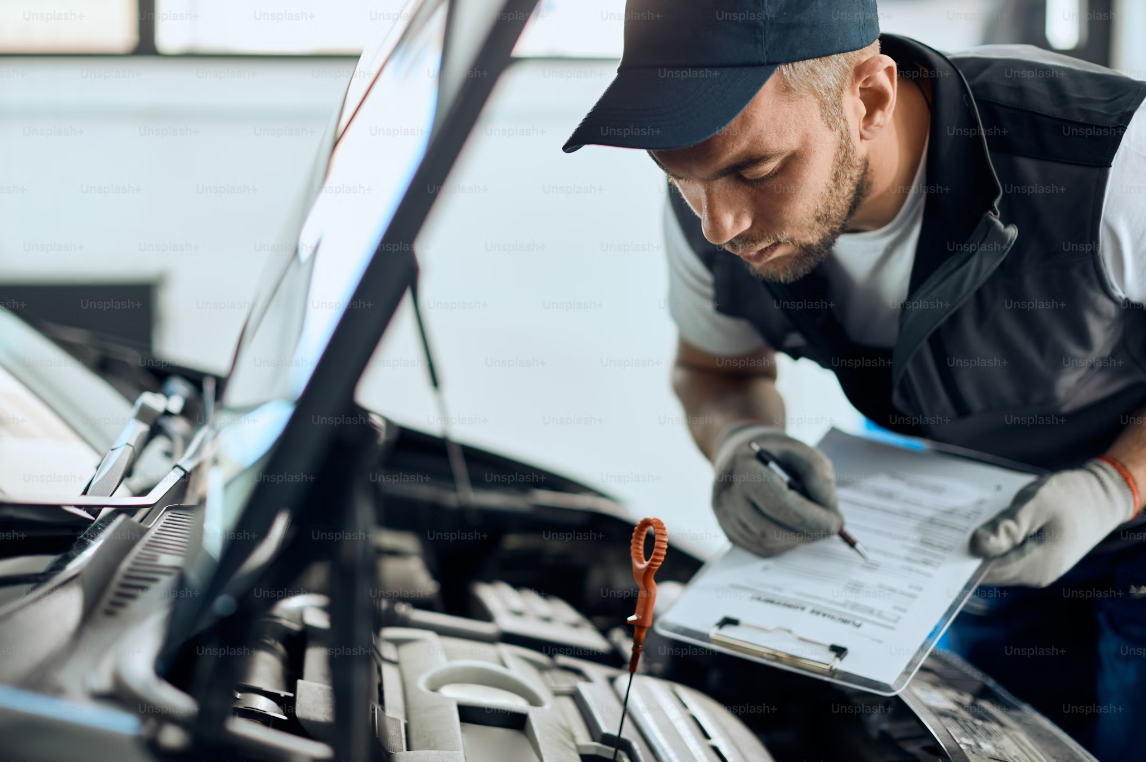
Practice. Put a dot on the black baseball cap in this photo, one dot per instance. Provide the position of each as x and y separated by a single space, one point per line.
689 67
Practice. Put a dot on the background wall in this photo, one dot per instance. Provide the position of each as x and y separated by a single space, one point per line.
174 170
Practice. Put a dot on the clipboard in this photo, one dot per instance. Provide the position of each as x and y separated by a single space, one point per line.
763 642
806 656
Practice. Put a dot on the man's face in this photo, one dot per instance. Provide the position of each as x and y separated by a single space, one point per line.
777 186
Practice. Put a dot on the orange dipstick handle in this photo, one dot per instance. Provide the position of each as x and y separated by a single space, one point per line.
643 572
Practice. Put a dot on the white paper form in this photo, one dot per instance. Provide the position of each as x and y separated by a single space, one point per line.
913 510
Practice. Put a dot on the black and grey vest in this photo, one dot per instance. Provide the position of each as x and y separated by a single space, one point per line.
1011 341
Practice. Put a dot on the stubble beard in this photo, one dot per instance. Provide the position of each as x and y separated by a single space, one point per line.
834 211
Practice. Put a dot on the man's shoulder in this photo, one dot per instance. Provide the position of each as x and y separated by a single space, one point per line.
1027 78
1025 54
1045 105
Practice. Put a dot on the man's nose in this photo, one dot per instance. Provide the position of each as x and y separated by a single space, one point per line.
723 217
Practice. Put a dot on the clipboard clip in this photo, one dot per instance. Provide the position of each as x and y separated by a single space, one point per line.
820 666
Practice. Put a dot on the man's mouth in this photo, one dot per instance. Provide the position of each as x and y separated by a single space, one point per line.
760 256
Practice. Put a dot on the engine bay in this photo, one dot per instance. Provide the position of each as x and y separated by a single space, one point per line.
496 630
499 636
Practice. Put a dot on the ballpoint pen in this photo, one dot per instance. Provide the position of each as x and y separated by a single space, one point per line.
794 482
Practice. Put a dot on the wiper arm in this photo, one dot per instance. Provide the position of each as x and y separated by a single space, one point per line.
27 515
123 452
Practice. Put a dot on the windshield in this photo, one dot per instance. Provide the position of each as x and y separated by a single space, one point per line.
368 172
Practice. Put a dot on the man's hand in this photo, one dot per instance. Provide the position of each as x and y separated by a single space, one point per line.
1052 523
755 507
729 401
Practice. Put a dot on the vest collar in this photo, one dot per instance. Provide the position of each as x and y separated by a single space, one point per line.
962 184
962 240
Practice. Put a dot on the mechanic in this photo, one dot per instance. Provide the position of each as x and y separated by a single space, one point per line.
960 239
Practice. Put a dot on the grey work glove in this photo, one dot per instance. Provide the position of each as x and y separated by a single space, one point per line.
1060 516
755 507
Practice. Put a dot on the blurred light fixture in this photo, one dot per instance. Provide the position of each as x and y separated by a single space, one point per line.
1066 23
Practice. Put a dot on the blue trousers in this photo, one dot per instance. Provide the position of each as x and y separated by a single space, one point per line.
1075 650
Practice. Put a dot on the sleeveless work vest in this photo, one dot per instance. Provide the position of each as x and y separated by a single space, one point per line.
1011 341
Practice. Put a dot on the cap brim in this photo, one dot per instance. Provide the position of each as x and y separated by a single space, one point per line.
659 109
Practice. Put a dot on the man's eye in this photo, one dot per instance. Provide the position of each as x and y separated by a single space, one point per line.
758 180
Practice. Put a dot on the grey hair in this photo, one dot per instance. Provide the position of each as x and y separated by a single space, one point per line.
826 78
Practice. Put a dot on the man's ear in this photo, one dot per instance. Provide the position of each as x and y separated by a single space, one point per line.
873 89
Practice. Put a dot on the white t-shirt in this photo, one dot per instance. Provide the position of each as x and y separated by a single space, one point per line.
868 273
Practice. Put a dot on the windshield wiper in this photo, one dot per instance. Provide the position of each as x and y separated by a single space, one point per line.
25 515
126 448
122 454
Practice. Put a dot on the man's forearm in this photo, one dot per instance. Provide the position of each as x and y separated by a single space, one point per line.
712 400
1130 450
